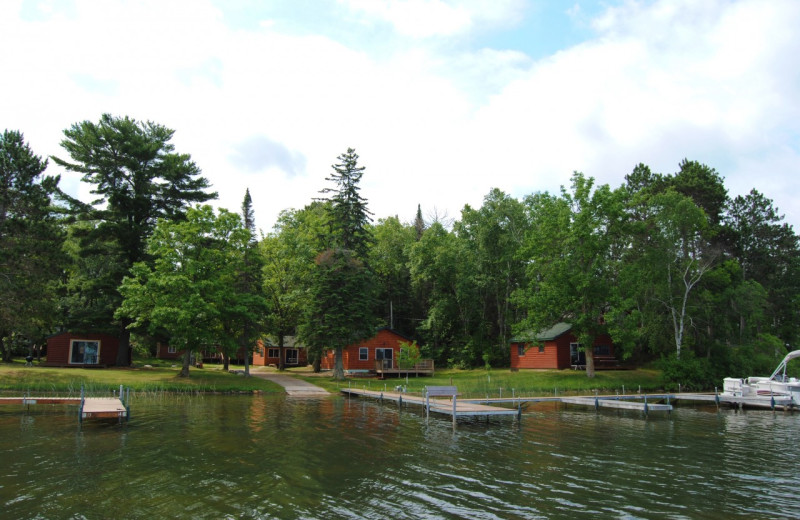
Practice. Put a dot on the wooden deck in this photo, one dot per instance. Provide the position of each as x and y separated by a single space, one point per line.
441 406
88 407
424 367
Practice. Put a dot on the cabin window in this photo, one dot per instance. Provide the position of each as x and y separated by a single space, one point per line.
292 356
602 350
576 356
363 353
541 348
273 353
171 350
84 352
521 349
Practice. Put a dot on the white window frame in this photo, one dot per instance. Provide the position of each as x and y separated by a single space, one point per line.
274 350
171 350
363 353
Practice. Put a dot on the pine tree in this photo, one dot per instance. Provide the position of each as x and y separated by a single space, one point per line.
349 214
419 223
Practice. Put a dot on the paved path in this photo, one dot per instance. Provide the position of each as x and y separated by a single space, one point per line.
293 386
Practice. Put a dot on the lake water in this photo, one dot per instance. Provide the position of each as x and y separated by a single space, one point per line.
273 456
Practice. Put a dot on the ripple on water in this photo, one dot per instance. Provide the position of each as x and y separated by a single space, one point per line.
271 457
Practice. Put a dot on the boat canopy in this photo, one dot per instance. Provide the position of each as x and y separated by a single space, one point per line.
781 370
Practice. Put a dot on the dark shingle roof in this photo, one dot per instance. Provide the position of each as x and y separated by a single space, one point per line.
545 335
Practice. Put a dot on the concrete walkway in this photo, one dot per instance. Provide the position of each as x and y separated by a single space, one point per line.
293 386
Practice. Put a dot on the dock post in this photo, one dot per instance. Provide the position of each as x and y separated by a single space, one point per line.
645 404
427 404
454 412
400 401
80 410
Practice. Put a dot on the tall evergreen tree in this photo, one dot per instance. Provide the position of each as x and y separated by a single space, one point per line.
350 217
30 242
419 223
138 179
342 310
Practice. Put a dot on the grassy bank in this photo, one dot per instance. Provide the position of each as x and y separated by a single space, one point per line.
480 383
17 378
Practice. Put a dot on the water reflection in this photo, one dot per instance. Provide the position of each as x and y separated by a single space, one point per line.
276 457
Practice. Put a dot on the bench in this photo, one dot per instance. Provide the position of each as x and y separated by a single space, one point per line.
440 391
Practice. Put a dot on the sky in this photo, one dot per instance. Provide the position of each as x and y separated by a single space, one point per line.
443 100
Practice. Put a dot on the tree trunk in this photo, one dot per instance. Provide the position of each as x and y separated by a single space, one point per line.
226 362
124 351
589 361
187 358
5 346
281 355
246 363
338 364
317 364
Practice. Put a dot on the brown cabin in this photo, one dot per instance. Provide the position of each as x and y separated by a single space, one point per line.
69 349
382 350
166 351
557 348
267 353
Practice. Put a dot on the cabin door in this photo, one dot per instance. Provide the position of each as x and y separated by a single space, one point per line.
291 356
385 356
576 357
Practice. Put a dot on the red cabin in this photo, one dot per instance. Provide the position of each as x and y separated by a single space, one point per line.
266 353
558 348
381 350
69 349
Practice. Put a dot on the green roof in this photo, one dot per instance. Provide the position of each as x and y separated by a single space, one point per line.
545 335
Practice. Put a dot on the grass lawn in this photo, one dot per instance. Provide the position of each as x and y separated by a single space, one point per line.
494 382
16 378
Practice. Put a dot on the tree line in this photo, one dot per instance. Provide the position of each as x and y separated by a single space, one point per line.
667 264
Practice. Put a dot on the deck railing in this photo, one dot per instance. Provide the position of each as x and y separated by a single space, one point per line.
389 365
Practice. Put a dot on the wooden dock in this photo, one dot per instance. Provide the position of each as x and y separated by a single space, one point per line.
88 407
642 403
453 407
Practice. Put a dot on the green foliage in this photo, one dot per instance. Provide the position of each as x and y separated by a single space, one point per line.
409 354
388 259
340 310
571 252
30 240
349 214
288 255
694 373
138 179
192 291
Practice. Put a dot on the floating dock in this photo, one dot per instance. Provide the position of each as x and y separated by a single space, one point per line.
642 403
650 402
88 407
453 407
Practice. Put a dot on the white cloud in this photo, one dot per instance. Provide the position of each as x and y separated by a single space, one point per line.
434 125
